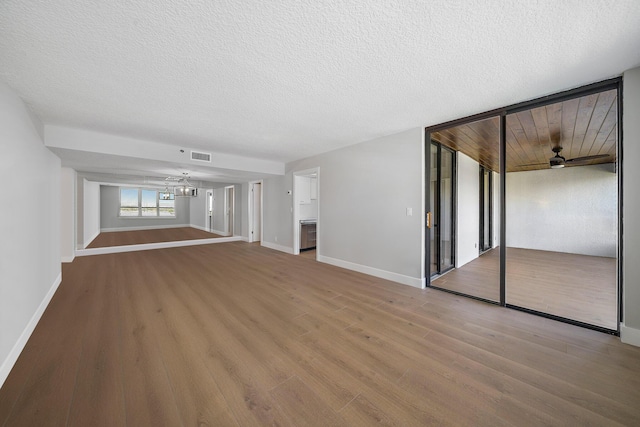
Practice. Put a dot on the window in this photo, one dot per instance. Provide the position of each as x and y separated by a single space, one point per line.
142 202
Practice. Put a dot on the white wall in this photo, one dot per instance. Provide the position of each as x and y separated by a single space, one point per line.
571 210
29 225
365 190
91 212
67 214
630 331
468 219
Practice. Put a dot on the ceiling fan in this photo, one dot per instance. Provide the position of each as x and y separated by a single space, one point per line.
558 161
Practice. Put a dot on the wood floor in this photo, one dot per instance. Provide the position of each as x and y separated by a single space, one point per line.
138 237
234 334
577 287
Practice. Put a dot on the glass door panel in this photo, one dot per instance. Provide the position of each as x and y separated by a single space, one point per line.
463 149
562 201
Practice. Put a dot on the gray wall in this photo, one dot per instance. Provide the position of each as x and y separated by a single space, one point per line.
277 216
68 179
197 206
631 204
364 191
110 206
80 211
29 225
244 211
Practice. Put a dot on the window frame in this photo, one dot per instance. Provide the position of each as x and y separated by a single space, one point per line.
158 208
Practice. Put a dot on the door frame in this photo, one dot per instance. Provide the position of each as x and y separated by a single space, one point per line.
252 210
208 226
229 210
614 83
296 209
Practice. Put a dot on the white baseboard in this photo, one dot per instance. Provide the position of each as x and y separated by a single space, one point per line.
150 246
147 227
629 335
11 359
277 247
68 258
383 274
220 232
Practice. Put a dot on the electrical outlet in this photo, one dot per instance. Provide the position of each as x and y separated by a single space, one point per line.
409 211
276 238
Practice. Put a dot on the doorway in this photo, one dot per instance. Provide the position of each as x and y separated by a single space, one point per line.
306 211
537 206
208 211
255 211
441 210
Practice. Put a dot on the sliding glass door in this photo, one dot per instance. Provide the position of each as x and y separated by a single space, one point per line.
525 206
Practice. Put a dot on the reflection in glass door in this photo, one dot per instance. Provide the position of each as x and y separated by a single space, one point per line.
550 170
486 208
442 191
562 209
458 153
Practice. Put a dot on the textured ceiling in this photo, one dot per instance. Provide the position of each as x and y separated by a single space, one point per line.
283 80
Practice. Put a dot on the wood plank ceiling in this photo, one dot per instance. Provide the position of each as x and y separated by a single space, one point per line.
584 126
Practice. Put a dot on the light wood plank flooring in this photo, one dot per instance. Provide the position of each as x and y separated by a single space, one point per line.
138 237
577 287
236 334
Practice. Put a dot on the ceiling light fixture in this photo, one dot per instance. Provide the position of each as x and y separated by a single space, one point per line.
178 187
167 194
184 188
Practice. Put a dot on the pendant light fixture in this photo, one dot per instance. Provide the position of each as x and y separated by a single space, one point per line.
166 194
184 187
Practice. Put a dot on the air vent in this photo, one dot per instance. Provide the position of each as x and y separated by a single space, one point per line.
201 157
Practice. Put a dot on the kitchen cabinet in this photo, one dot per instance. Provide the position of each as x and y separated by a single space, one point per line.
307 235
305 190
313 190
308 189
